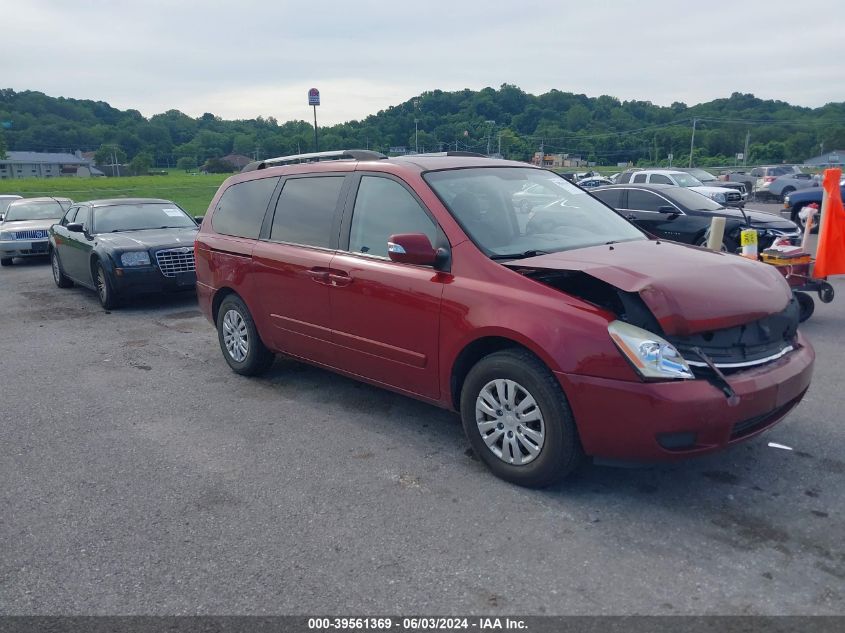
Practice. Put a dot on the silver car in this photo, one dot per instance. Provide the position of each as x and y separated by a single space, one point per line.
25 225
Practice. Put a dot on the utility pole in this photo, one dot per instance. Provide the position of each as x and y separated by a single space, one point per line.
692 141
542 153
499 152
490 125
416 129
655 150
745 153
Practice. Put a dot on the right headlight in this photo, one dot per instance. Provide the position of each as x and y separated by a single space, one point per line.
6 236
135 258
652 356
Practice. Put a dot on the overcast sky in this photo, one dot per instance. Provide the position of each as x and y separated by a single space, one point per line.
241 59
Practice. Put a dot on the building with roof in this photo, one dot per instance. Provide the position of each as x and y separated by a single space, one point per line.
828 159
45 165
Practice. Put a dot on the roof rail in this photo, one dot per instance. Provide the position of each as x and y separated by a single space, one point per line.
451 153
313 157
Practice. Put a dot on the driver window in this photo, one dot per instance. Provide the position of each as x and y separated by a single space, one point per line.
68 219
639 178
83 217
383 208
660 179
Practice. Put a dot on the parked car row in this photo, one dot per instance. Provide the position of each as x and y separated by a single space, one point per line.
552 333
773 181
116 247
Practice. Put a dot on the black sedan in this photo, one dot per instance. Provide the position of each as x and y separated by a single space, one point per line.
679 214
124 246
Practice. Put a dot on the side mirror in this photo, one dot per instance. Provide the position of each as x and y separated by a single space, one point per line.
75 227
411 248
1 217
198 219
670 210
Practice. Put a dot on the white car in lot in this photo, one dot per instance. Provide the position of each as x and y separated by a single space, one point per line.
726 197
25 226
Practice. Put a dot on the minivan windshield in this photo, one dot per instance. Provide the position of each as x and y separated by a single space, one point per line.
482 201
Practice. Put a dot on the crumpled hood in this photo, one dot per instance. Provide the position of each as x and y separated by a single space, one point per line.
688 289
153 238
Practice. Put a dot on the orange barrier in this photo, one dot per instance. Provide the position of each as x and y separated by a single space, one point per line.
830 256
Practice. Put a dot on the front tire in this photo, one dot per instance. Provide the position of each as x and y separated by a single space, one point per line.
58 276
242 348
105 288
518 420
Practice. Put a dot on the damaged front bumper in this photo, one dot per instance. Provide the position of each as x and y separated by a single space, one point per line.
657 421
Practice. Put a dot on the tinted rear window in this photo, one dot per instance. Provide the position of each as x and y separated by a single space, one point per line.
305 211
240 210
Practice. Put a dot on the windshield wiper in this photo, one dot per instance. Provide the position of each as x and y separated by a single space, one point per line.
529 253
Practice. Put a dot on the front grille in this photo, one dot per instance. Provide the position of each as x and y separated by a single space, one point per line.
176 260
733 196
37 234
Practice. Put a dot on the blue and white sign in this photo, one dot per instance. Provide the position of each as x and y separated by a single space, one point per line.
313 97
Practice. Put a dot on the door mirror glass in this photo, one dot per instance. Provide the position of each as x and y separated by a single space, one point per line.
75 227
411 248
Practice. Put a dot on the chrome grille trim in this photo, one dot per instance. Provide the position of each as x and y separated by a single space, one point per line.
31 234
176 260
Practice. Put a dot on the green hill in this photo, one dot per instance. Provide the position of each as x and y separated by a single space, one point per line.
603 129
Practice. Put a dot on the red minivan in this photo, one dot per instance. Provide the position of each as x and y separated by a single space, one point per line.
555 335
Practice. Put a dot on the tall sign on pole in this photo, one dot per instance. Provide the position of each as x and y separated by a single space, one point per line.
314 100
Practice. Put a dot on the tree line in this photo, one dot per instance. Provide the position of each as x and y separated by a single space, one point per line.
601 129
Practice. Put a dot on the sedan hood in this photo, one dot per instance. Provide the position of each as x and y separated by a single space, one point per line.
757 218
708 191
152 238
28 225
687 289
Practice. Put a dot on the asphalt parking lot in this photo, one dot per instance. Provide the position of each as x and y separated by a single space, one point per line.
141 476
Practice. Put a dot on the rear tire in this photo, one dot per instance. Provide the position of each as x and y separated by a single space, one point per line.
518 420
242 348
58 276
6 261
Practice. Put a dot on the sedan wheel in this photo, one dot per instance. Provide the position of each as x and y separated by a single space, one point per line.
105 289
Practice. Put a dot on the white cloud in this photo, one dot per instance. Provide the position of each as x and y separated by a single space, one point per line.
241 60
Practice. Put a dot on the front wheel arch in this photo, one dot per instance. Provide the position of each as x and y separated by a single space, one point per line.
473 352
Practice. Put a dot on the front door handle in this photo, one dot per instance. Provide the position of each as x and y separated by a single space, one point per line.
339 279
320 275
631 217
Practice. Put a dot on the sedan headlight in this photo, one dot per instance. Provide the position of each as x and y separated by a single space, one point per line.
652 356
786 202
135 258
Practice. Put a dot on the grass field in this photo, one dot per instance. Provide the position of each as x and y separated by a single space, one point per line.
191 192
